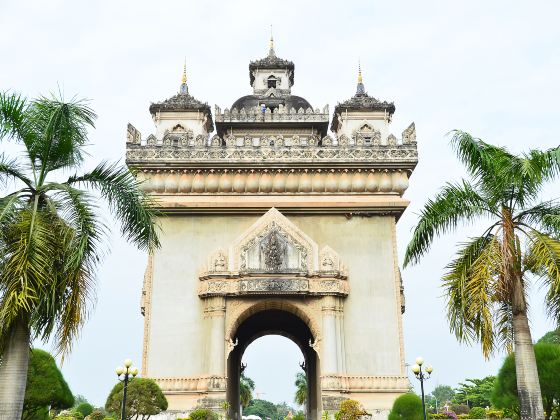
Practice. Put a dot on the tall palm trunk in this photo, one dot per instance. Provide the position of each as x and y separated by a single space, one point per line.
528 387
13 372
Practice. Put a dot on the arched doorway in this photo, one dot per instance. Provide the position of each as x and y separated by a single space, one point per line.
273 322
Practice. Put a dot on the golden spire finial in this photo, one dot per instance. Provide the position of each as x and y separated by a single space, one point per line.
271 45
184 78
359 72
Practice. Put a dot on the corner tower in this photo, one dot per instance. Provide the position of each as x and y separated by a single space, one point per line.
278 227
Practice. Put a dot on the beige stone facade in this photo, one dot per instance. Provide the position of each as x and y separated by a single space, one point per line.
274 226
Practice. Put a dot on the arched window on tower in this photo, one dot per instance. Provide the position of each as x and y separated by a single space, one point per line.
272 82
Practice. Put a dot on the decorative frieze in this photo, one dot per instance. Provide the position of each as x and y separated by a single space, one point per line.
185 385
282 114
349 383
273 286
279 181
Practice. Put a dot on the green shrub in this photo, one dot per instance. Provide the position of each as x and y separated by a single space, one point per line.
350 410
438 416
495 414
407 407
460 408
85 408
203 414
477 413
97 415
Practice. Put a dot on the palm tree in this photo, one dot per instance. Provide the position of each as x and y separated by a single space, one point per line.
487 284
301 388
246 388
51 236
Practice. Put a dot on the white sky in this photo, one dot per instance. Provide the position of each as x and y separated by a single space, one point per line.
491 68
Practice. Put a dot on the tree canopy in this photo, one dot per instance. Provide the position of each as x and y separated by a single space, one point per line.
548 365
443 393
45 387
261 408
301 388
143 399
246 388
475 392
551 337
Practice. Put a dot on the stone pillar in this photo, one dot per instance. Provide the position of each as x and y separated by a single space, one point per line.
329 363
216 311
340 337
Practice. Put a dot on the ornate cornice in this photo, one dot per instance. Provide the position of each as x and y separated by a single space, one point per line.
356 384
191 384
278 285
273 181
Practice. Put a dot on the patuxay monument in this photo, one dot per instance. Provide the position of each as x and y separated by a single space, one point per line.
272 224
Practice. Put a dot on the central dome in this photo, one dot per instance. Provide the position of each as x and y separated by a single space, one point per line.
272 102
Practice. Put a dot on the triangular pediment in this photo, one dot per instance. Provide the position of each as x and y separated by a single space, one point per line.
274 244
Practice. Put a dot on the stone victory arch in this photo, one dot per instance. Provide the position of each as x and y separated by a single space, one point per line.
274 226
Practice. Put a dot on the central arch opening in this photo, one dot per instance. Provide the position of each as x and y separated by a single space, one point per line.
273 322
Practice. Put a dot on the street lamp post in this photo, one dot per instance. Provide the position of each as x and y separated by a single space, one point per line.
422 375
128 372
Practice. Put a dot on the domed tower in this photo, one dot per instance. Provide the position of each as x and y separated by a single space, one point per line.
272 106
364 120
180 120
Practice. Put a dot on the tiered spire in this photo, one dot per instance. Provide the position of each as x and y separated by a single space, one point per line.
184 88
360 89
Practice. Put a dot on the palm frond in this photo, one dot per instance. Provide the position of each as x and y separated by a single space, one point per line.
133 208
543 259
469 285
545 215
13 117
456 203
26 274
73 295
10 168
61 132
489 165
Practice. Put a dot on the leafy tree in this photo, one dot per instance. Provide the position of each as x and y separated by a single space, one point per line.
143 399
261 408
283 409
548 364
79 399
350 410
475 392
487 284
203 414
301 388
45 387
299 416
551 337
443 393
246 388
85 408
51 237
407 406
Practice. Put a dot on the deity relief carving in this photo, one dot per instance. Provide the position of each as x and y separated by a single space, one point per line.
218 261
273 250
